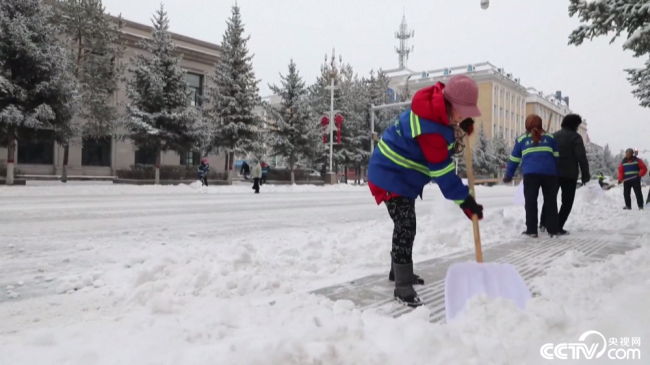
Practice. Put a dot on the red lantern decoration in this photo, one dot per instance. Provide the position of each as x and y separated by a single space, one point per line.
338 119
325 121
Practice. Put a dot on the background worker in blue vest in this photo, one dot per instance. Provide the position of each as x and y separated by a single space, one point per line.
537 152
417 148
630 172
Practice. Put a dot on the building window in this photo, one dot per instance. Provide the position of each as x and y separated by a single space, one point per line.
145 156
190 158
36 153
96 152
195 82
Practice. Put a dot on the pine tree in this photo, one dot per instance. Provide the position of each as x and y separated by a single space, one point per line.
294 131
158 113
37 88
629 17
611 162
596 160
481 159
234 94
499 154
355 130
92 37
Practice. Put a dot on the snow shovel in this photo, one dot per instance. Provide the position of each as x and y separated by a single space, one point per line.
467 279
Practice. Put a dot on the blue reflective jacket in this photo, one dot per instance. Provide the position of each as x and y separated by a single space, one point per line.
203 169
534 159
399 166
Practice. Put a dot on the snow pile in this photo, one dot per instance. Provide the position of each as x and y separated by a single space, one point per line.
607 297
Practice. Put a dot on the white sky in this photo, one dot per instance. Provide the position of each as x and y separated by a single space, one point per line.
528 38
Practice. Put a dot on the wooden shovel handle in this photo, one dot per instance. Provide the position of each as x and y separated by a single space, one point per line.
470 179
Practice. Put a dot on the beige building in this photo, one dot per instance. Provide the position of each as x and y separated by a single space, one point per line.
551 111
502 98
102 157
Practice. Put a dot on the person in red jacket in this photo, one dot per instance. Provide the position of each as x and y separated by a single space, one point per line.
418 148
630 172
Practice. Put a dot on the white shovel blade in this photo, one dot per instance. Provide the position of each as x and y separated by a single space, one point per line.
466 279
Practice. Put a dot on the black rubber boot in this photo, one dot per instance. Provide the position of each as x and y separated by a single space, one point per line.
526 233
404 292
416 279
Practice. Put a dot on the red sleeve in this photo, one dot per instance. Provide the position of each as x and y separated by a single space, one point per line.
620 172
643 168
434 147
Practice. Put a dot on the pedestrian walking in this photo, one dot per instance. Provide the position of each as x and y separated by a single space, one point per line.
204 170
537 152
256 173
630 172
265 172
245 170
572 162
417 148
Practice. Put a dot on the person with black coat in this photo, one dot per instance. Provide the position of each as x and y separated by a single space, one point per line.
572 162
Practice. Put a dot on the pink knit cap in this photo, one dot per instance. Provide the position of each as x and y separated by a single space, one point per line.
462 93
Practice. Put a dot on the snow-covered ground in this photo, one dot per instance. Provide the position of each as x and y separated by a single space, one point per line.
106 274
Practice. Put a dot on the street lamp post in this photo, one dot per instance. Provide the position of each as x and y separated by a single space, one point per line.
331 177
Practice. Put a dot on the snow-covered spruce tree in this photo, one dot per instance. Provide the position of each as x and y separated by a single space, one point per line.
294 131
234 94
481 149
37 88
499 154
596 160
611 161
629 17
319 100
92 38
158 112
353 150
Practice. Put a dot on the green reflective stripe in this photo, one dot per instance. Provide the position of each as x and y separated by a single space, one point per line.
459 202
524 136
630 163
415 125
451 146
399 160
549 135
556 154
632 173
515 159
438 173
537 149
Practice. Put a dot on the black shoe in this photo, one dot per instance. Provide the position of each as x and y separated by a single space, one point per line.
416 279
551 235
526 233
404 292
627 208
412 301
542 228
563 233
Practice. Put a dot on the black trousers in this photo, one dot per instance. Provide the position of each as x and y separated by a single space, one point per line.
256 185
264 179
548 183
402 212
568 187
204 180
628 186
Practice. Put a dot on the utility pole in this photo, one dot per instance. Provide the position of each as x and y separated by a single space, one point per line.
331 176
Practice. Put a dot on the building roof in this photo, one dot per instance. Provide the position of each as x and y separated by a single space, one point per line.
549 101
480 72
175 36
